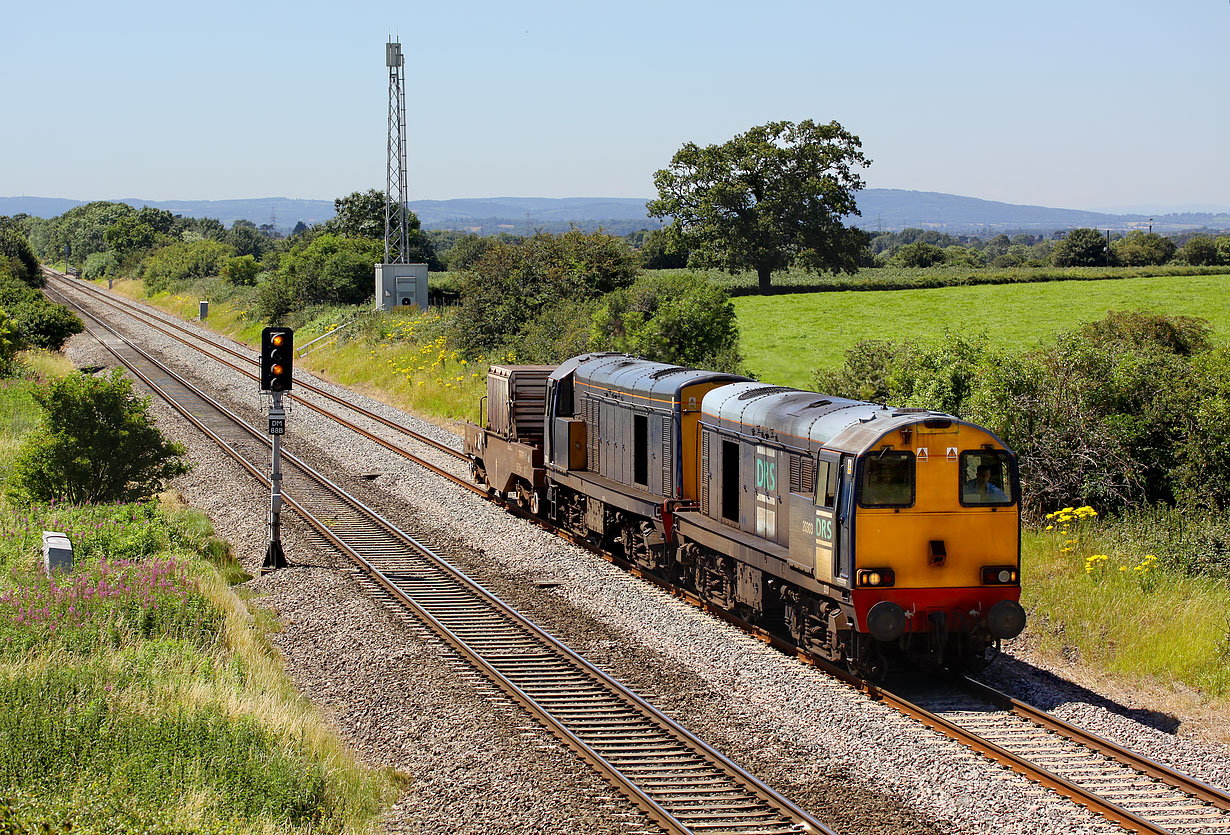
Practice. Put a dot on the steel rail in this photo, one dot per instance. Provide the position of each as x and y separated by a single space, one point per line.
754 804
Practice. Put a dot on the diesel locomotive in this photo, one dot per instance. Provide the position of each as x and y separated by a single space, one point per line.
851 526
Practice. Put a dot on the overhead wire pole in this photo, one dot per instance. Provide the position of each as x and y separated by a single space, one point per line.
396 234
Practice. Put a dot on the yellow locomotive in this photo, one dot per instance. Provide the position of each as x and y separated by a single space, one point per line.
851 526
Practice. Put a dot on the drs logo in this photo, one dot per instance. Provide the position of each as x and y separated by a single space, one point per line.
824 528
766 475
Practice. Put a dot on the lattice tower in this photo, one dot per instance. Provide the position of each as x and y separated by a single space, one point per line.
396 214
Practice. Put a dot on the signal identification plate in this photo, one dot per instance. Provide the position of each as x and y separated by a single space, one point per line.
277 426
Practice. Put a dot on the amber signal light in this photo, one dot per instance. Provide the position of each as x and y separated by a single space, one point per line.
277 348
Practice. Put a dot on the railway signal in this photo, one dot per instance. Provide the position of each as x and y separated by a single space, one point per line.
277 358
277 352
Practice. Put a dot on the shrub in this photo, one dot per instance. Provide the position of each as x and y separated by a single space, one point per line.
512 284
1132 409
866 372
331 269
182 261
241 270
99 444
38 323
101 264
679 319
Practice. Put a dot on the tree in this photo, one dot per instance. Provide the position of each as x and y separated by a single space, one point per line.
1081 248
246 238
15 250
360 214
513 283
331 269
129 235
99 444
467 251
662 250
1142 249
770 197
919 254
1200 251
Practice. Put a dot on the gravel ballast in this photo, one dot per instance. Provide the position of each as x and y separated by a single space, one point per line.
479 764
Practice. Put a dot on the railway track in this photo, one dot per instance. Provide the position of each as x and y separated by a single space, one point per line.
681 783
1131 790
1125 787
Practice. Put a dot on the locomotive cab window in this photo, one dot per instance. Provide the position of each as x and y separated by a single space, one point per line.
987 477
887 480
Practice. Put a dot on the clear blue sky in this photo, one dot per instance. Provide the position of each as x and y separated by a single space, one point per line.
1090 105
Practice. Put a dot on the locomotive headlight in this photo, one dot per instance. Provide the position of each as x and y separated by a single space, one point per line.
876 577
999 575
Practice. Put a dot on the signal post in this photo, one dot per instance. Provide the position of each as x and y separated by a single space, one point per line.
277 352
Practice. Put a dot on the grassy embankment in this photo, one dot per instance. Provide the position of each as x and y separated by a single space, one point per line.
139 694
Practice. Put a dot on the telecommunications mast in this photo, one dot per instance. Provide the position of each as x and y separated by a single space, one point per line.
395 189
398 282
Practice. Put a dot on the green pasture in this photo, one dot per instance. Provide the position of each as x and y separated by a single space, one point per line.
786 338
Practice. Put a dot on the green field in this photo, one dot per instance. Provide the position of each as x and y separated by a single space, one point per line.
786 338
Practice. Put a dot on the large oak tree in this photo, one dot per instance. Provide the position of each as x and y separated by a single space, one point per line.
771 197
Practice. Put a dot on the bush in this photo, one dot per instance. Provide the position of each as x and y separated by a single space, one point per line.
241 270
865 375
513 284
101 264
1132 409
331 269
183 261
99 444
680 319
38 323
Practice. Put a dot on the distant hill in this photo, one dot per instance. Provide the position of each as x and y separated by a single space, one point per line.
882 209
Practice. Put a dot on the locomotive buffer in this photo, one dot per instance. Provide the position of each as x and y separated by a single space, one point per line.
277 350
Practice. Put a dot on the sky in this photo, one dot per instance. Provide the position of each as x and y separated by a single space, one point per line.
1091 105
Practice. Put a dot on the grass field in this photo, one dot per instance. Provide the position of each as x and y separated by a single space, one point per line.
784 339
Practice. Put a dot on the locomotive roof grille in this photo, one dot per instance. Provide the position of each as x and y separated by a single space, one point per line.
666 372
764 391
